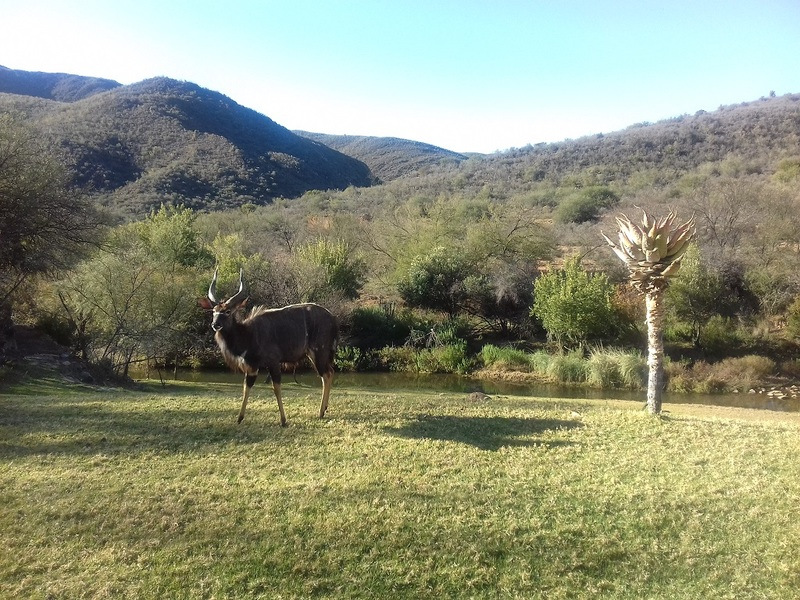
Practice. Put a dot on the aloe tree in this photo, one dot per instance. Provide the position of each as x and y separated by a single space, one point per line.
652 252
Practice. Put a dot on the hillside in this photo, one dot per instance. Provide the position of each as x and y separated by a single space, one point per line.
162 140
62 87
159 140
388 158
759 133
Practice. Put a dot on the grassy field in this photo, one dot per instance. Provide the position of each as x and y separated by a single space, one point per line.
157 493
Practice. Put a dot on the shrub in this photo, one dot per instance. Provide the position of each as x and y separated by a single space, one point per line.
791 368
349 358
333 266
379 326
678 377
400 358
435 280
585 205
574 305
732 373
451 358
745 372
719 335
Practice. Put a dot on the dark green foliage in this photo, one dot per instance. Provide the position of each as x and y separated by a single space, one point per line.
379 326
436 281
700 293
586 205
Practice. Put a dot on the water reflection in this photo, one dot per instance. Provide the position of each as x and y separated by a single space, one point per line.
456 383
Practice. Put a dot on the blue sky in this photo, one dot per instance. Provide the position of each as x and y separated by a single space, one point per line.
470 76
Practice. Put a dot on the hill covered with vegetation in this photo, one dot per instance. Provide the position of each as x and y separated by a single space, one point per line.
388 157
62 87
166 141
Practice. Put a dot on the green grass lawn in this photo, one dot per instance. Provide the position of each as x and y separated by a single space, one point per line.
158 493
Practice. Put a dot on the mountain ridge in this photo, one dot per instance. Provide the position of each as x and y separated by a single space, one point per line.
163 140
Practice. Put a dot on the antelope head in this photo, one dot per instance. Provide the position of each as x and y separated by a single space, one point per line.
223 310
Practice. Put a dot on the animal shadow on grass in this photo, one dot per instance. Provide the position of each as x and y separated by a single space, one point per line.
486 433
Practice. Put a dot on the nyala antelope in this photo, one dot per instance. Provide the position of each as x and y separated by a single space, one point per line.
268 337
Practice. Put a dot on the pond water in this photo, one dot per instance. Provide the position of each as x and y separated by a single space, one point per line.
456 383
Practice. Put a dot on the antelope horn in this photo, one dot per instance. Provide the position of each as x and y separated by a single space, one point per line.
212 289
238 296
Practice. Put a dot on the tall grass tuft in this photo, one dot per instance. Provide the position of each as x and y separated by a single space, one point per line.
568 368
540 362
507 358
613 368
602 370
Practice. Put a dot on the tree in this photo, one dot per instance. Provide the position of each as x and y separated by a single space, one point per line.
44 223
139 292
329 267
574 306
699 294
435 280
652 252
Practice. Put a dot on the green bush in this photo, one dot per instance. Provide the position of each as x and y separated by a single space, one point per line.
379 326
585 205
573 305
349 358
397 358
719 335
450 358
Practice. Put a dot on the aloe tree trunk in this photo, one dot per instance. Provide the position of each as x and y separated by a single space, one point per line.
654 304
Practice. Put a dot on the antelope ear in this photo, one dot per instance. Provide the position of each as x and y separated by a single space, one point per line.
205 303
240 304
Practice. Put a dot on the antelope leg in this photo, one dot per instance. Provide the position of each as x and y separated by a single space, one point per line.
327 379
276 387
249 380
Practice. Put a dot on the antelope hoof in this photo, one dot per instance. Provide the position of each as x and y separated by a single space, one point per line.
284 424
240 419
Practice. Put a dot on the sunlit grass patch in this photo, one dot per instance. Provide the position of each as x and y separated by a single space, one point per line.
158 493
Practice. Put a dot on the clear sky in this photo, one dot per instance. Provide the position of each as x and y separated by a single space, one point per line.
467 75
